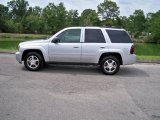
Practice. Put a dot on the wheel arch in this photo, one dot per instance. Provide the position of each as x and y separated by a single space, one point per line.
117 55
25 52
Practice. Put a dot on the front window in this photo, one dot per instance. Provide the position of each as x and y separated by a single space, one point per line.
70 36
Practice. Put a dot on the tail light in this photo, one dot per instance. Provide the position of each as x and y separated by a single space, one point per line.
132 49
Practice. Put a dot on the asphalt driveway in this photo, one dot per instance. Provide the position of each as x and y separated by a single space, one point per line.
78 92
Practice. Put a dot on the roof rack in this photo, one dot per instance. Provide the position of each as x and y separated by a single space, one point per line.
105 27
112 27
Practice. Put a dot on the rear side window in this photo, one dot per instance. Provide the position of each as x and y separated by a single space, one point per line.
118 36
94 36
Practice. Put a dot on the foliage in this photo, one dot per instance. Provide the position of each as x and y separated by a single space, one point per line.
154 26
89 17
19 17
18 9
33 24
54 17
134 23
108 9
3 17
72 18
139 20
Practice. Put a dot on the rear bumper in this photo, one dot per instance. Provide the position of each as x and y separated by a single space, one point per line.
129 59
19 57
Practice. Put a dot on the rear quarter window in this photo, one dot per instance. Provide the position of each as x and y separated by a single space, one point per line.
119 36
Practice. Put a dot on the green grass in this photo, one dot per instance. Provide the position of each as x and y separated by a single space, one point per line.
148 58
21 36
9 45
147 49
147 52
9 41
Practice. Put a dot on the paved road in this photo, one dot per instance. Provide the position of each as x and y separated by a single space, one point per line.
78 92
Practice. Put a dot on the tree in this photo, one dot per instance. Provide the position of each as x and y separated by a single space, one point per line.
154 27
72 18
18 12
54 17
108 10
18 9
61 16
148 21
139 20
128 24
35 10
135 24
124 21
89 17
3 17
33 24
49 17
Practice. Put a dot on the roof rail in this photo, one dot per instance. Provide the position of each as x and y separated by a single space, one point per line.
112 27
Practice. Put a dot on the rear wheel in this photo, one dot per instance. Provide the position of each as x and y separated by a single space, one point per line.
110 65
33 61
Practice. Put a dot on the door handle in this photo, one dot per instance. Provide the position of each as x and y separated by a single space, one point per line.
75 47
102 47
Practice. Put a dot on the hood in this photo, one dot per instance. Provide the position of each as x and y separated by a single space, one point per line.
34 42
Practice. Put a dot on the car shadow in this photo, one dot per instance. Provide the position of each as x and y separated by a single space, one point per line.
73 69
129 71
125 71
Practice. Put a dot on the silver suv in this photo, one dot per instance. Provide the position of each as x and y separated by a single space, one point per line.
107 47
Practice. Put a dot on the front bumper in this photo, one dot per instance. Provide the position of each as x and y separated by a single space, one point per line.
19 57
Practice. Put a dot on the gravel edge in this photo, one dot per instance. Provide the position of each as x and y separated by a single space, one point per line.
7 52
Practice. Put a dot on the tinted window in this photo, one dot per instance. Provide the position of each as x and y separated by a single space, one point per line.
70 36
94 36
118 36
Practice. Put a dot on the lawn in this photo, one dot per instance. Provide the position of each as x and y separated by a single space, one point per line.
18 37
144 51
9 42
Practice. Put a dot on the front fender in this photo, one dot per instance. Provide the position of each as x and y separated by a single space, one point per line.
44 50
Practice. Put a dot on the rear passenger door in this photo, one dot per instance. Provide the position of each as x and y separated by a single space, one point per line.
94 42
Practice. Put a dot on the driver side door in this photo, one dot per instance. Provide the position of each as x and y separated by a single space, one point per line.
68 49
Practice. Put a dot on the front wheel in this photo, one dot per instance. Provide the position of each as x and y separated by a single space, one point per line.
33 61
110 65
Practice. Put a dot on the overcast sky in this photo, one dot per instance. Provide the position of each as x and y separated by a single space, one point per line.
127 7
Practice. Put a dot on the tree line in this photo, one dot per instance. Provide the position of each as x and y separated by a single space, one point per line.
19 17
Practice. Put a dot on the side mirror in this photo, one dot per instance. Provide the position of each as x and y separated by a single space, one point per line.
56 40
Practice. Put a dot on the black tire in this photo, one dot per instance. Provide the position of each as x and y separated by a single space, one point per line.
113 68
38 57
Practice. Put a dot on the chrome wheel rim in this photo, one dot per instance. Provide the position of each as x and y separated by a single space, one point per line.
110 66
32 62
